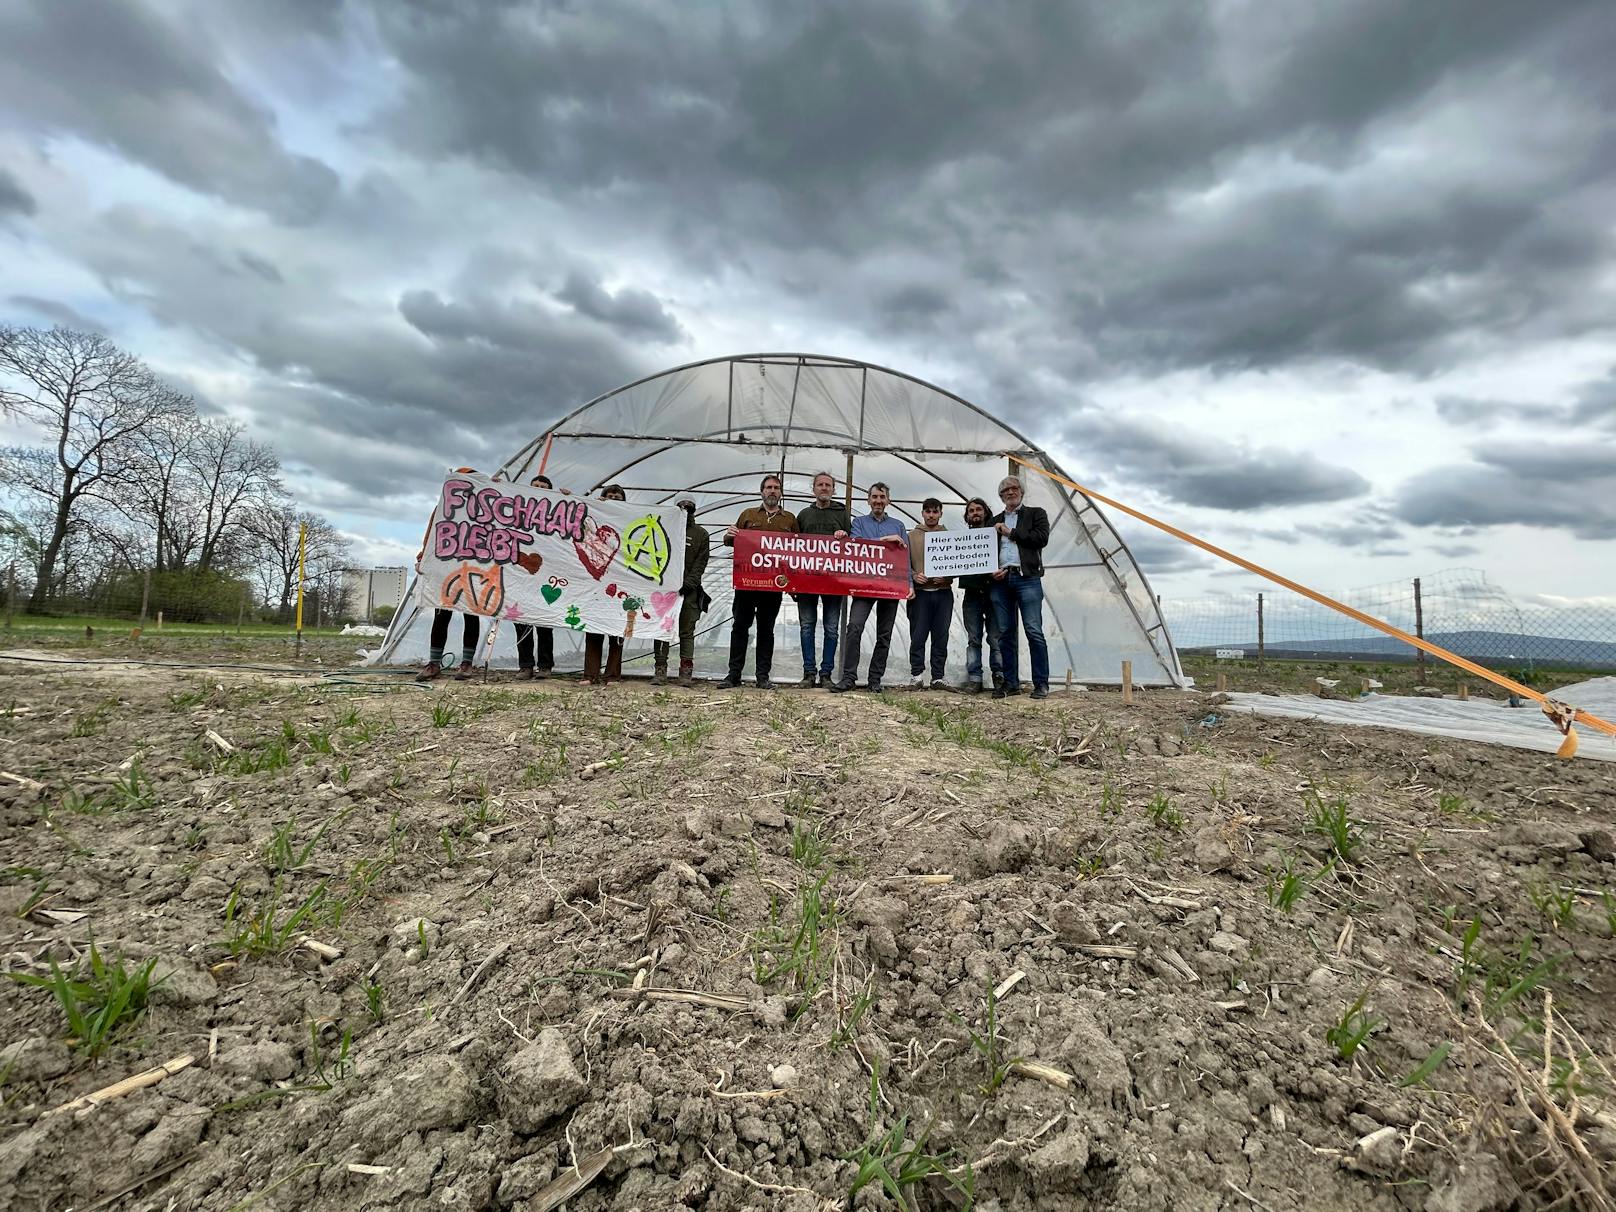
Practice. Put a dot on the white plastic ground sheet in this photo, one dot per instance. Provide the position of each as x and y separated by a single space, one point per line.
1470 720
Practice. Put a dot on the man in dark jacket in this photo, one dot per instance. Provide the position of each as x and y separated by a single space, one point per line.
976 608
1018 588
692 606
825 516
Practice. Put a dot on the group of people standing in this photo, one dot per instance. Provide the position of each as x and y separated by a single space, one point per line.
995 606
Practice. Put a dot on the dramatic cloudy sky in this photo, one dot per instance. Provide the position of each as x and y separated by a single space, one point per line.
1333 284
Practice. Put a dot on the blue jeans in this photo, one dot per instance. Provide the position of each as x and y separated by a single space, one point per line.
811 607
976 607
1024 595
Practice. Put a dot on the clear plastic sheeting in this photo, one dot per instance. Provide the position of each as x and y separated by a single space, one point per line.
1524 727
711 430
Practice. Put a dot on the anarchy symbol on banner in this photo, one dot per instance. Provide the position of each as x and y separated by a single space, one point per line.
476 589
645 549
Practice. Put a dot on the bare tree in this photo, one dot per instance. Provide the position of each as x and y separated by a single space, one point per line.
233 475
90 398
275 528
158 497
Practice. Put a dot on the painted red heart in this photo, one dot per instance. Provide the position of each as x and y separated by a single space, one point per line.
598 550
532 561
663 601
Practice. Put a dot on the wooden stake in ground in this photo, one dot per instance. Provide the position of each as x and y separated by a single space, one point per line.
1127 683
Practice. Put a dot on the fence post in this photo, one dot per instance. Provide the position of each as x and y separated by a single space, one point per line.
241 609
145 595
11 593
1419 629
1259 636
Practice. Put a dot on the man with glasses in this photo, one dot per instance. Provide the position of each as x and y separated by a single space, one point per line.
825 516
1018 588
877 526
762 605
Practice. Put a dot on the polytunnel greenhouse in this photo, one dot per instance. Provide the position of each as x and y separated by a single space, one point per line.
710 431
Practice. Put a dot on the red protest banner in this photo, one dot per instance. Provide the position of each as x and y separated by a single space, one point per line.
813 563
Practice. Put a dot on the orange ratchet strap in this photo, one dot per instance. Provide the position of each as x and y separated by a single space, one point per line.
1562 715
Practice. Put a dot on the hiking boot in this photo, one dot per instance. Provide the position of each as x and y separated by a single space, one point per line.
430 672
687 673
809 681
971 688
660 677
541 673
998 692
463 671
525 673
730 682
840 687
1040 692
873 687
998 681
765 684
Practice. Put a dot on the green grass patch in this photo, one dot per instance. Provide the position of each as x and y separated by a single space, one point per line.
98 1002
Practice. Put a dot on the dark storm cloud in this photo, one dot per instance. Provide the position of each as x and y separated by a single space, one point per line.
1034 198
123 76
1485 414
1366 530
636 314
1570 487
1208 471
53 312
469 379
1066 144
13 197
1597 402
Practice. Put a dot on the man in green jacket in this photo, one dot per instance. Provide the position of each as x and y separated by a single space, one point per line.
829 516
692 607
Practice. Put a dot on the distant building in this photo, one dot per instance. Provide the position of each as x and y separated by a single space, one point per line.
367 590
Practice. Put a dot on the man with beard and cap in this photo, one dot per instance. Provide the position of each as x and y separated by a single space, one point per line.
694 601
826 516
750 604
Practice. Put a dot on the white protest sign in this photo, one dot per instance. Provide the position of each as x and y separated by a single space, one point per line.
959 553
506 551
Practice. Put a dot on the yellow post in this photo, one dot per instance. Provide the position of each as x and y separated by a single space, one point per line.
1127 683
302 540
